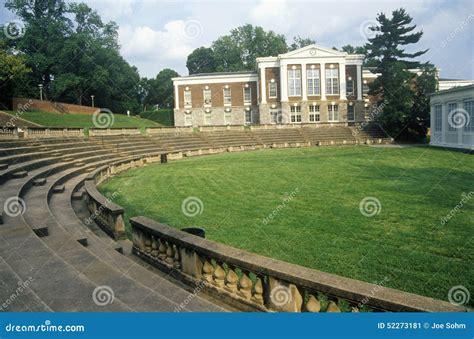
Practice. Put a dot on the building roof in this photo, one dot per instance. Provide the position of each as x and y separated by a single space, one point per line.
453 89
217 73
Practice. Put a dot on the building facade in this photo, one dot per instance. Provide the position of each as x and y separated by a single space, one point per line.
452 117
309 85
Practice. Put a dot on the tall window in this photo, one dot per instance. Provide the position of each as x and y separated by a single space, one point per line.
451 107
227 97
248 116
207 97
350 113
187 99
332 81
469 107
313 81
294 82
295 115
272 90
438 115
247 95
333 113
350 87
314 115
276 117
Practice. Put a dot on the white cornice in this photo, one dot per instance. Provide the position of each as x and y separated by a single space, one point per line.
217 78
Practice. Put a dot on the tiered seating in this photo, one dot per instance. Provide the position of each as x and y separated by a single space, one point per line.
279 136
182 141
47 245
230 138
327 135
49 238
374 132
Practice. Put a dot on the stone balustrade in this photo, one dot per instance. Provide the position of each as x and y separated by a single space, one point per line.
222 128
52 132
103 210
8 133
256 283
98 132
161 130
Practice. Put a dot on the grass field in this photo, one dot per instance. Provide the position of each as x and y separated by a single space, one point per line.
320 225
48 119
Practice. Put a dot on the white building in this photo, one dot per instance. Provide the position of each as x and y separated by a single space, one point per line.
452 117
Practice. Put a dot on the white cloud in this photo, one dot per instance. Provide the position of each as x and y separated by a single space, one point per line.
277 15
174 41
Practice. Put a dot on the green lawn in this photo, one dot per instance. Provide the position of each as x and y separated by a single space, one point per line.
48 119
322 226
161 116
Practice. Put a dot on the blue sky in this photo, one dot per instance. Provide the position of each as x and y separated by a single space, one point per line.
157 34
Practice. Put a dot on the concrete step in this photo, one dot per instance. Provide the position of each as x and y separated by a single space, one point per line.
39 182
19 174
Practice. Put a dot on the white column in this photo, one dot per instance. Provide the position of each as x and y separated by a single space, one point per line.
460 130
263 86
443 123
323 80
284 83
342 80
304 90
359 82
176 97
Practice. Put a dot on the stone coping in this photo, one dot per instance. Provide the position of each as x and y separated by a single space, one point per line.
107 204
354 290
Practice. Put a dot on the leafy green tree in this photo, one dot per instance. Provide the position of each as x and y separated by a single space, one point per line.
393 86
299 42
419 119
239 50
13 72
160 90
201 60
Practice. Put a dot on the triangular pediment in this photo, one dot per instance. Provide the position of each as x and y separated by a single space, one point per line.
312 51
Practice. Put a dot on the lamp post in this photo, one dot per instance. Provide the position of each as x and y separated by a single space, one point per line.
92 97
41 91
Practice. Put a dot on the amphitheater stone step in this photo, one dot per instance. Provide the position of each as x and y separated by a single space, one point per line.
58 189
3 166
39 182
19 174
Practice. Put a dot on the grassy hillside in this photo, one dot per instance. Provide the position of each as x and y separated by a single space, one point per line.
161 116
48 119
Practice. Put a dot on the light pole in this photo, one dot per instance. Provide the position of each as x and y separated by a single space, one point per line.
41 91
92 97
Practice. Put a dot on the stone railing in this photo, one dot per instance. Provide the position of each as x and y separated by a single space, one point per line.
8 133
256 283
222 128
52 132
97 132
286 126
161 130
103 210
